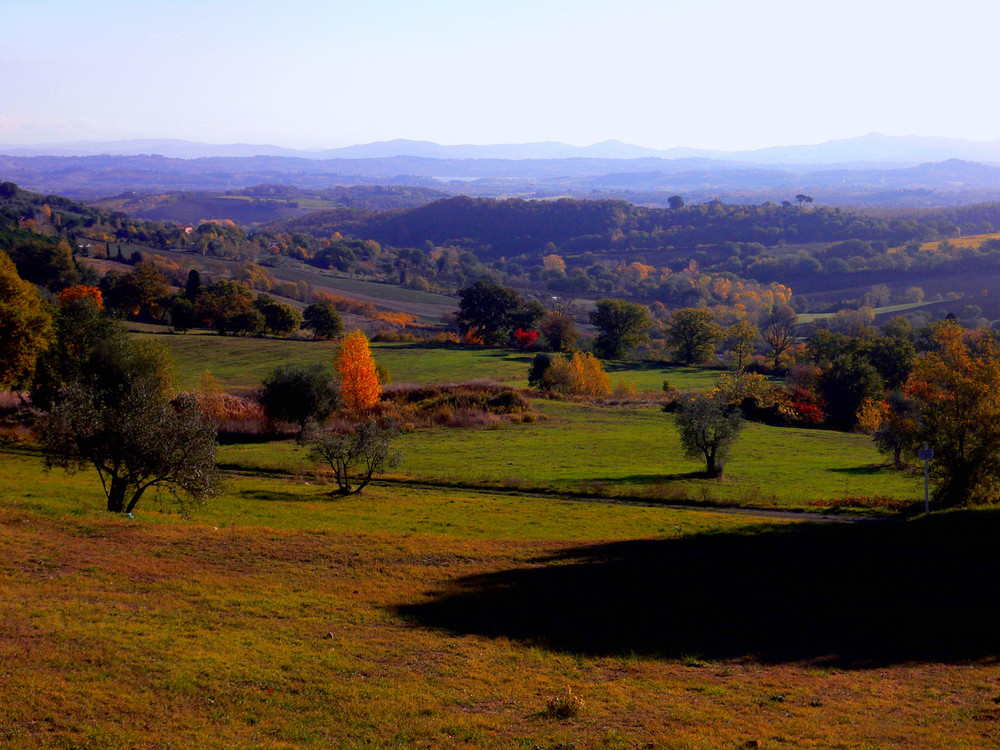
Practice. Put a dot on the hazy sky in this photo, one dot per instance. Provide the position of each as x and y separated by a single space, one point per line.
726 74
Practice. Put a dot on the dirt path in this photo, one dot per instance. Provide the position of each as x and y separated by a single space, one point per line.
763 513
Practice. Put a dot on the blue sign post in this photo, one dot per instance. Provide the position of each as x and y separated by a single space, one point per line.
926 454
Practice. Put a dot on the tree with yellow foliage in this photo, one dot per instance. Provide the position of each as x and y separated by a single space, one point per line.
359 383
579 375
25 326
956 391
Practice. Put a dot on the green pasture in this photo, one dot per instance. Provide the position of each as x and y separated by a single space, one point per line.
390 292
280 616
242 363
303 504
626 452
879 311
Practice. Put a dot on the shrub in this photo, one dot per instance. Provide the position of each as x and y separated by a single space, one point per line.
625 389
346 304
564 706
581 375
298 394
397 318
523 339
456 405
232 415
539 365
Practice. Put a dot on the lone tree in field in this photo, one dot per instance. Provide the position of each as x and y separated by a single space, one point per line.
323 320
111 409
708 427
357 455
359 382
621 326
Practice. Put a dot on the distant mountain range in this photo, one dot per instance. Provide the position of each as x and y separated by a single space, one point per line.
873 170
873 149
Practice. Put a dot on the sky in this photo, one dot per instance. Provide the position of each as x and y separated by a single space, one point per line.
715 74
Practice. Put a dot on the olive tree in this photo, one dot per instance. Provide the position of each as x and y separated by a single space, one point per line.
708 427
355 455
113 411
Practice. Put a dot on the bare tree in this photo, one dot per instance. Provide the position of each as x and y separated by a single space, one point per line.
777 330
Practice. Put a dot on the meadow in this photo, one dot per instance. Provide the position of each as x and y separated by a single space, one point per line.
630 452
242 363
529 586
279 616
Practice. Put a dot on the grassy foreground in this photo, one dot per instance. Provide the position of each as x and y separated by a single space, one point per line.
280 618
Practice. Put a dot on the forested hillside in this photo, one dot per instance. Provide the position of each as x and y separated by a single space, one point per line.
262 204
820 259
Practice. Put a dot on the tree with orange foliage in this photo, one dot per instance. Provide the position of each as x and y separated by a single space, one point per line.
81 291
956 389
359 383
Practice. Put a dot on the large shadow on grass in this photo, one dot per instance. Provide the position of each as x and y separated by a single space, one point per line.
847 595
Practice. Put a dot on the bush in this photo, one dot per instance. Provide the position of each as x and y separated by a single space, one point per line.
297 394
467 405
582 375
539 365
564 706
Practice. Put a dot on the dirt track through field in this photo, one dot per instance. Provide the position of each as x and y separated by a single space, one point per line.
762 513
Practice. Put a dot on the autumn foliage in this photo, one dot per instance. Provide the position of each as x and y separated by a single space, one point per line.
580 375
25 326
359 383
956 391
81 291
524 339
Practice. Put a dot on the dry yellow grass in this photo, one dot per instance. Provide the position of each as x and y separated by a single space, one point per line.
971 240
165 633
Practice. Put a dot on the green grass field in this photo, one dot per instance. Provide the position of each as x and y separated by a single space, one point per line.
495 575
242 363
631 452
627 452
279 616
